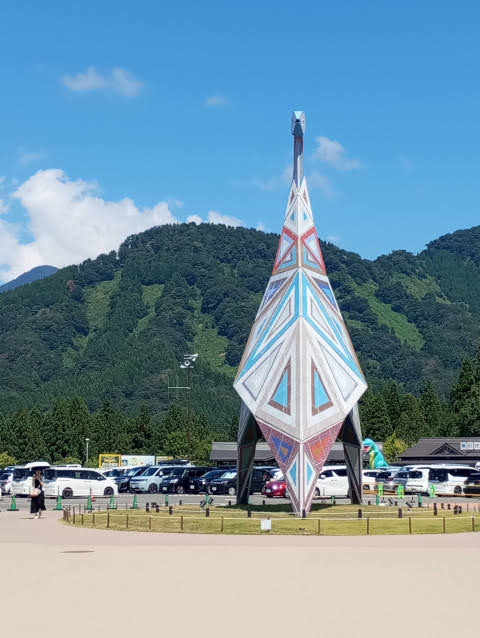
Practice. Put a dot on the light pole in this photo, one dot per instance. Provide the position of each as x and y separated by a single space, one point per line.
188 365
87 441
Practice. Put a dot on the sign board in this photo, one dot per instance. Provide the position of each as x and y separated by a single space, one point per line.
129 460
265 524
162 459
109 460
400 491
380 489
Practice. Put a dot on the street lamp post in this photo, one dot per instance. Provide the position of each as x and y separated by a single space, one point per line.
188 365
87 441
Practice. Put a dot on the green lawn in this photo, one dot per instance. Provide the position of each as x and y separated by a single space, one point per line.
325 520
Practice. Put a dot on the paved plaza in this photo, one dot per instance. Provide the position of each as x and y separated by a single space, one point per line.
103 583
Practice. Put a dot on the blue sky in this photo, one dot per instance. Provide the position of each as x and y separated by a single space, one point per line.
118 115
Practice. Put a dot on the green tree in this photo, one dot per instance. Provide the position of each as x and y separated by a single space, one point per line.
393 402
412 423
6 459
433 412
375 418
393 447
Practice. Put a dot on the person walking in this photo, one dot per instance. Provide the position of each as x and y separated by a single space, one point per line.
37 504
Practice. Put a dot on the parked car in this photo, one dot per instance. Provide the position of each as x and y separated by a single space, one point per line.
369 479
22 477
227 483
150 480
200 484
6 477
68 482
180 478
275 487
119 476
333 481
472 485
387 478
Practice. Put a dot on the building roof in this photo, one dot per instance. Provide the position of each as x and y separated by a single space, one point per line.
461 447
226 451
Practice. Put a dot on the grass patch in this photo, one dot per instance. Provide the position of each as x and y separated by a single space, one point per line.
209 343
97 299
150 294
325 521
405 331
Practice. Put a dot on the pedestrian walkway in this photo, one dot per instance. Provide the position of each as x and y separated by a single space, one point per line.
103 583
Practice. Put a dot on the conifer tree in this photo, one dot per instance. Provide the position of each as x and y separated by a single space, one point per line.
412 423
433 412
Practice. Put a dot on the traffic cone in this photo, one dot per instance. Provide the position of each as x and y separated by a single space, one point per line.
111 505
92 498
59 503
134 504
13 504
89 507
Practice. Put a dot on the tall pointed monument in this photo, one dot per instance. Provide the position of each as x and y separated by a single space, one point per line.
299 378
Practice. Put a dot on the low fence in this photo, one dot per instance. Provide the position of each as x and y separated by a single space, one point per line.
190 522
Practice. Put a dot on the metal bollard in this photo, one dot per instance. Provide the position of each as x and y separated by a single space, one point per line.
207 512
157 508
360 513
147 507
400 512
170 510
249 514
435 510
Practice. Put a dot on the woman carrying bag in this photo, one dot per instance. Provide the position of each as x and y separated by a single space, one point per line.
37 495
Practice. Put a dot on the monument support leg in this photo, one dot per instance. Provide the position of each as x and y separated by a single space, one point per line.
248 435
351 436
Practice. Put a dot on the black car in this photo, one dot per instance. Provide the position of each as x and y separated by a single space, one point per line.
200 483
472 485
180 478
118 474
227 483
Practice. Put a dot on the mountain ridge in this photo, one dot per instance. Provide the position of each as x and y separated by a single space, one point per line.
115 328
28 277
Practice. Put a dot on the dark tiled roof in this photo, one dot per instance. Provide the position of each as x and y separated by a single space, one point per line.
454 447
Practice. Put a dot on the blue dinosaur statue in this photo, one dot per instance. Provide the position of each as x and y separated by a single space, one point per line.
376 459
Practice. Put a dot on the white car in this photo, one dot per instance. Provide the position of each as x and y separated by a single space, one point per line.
333 481
369 479
6 477
22 477
67 482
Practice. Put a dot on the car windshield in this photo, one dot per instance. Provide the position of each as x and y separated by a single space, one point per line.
150 471
133 470
211 474
4 475
229 475
178 471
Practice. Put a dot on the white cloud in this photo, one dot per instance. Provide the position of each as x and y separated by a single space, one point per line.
70 222
196 219
213 101
3 179
218 218
332 152
261 226
119 81
271 183
3 207
334 239
27 157
322 182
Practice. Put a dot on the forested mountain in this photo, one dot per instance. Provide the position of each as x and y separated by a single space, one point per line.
39 272
114 329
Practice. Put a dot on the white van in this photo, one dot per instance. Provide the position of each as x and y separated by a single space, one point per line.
333 481
22 477
446 479
67 482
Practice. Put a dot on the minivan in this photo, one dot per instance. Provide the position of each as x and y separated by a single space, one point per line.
67 482
333 481
22 477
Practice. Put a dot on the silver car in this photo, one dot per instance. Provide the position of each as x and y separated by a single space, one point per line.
150 480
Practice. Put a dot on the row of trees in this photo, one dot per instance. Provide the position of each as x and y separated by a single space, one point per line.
58 435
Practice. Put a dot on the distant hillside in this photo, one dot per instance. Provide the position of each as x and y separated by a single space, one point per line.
117 327
40 272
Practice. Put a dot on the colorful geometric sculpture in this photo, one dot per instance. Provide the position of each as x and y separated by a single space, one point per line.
299 378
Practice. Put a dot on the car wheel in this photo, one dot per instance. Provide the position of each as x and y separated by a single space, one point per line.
67 493
108 491
317 492
152 488
457 489
232 491
286 494
180 489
